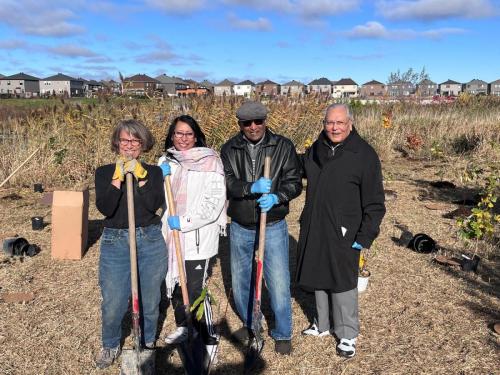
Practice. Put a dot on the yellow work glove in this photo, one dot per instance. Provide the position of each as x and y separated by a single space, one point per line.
119 173
124 166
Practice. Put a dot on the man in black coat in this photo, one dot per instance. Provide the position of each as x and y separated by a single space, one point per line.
341 217
243 158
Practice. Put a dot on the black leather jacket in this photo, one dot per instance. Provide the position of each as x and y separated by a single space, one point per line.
285 176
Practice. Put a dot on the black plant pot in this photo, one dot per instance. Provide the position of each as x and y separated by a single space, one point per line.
37 223
470 264
38 188
422 243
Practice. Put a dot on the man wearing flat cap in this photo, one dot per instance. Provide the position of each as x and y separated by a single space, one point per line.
243 158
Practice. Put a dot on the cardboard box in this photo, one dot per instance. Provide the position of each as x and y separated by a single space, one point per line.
70 222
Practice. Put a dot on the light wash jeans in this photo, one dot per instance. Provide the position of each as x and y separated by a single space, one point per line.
114 279
243 242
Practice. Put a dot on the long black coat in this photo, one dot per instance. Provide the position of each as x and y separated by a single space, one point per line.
344 203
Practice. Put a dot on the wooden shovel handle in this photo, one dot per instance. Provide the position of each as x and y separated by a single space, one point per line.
177 241
132 243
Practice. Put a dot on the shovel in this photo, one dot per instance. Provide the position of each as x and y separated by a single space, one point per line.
256 342
135 361
192 351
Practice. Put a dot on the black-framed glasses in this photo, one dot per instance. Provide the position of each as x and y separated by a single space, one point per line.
133 142
247 123
180 135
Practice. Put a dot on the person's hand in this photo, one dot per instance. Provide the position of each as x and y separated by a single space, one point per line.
357 246
135 167
261 186
119 173
266 202
165 168
174 222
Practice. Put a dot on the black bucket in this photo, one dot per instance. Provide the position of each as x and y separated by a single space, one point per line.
470 264
38 188
422 243
37 223
14 245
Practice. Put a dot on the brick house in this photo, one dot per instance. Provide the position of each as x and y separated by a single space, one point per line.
140 84
494 88
427 88
476 87
293 89
400 89
372 88
267 88
450 88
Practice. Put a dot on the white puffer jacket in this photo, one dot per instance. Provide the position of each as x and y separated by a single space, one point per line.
206 197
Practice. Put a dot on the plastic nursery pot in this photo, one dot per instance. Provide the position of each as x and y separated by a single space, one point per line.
363 278
470 264
38 188
422 243
14 245
37 223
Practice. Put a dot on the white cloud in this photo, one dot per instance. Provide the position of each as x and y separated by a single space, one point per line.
156 56
38 18
260 24
177 6
375 30
72 50
428 10
197 75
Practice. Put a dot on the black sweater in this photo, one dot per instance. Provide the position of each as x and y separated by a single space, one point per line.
112 202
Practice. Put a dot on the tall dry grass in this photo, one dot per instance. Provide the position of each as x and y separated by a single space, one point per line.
74 139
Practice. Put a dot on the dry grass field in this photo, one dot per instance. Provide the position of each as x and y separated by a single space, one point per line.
417 317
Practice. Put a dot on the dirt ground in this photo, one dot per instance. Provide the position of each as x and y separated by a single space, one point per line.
417 317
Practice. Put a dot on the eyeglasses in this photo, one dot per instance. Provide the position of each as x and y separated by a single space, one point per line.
333 123
247 123
180 135
133 142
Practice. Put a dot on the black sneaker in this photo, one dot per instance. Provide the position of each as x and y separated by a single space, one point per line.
107 356
283 346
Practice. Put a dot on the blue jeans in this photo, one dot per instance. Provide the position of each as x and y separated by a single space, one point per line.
276 274
114 280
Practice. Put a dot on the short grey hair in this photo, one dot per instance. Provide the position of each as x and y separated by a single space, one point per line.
135 128
340 105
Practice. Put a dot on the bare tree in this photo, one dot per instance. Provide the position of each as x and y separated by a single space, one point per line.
409 76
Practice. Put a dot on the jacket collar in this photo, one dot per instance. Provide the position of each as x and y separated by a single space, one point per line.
351 143
270 139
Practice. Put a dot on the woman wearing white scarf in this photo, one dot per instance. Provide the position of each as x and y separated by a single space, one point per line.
199 192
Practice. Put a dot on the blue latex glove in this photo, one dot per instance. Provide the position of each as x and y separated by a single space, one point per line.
357 246
165 168
266 202
174 222
261 186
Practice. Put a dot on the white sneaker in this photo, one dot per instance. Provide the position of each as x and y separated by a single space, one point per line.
178 336
347 348
212 351
313 330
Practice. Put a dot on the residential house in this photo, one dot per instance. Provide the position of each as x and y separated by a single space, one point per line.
61 84
193 88
427 88
293 89
321 86
345 88
140 84
170 85
244 88
372 88
224 88
494 88
111 87
21 85
267 88
91 88
206 84
400 89
450 88
476 87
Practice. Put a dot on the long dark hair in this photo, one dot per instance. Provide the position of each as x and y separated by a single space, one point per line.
198 133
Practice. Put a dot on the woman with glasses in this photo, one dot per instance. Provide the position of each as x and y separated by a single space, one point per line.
129 140
199 192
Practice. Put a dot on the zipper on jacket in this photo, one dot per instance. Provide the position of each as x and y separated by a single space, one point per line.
333 148
197 236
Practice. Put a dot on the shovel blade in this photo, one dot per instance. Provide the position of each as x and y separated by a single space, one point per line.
142 364
252 356
193 356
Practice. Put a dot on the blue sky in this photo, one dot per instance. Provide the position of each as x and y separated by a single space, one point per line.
279 40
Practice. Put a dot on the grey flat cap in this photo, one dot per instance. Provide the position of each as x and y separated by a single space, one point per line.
251 110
